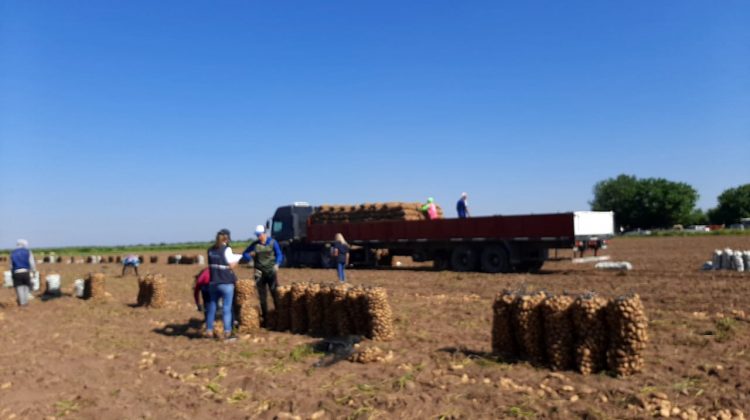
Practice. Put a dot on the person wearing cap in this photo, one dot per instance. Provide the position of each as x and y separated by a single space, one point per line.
266 255
430 209
222 279
22 264
462 207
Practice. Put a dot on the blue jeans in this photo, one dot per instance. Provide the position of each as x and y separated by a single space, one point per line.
225 292
340 269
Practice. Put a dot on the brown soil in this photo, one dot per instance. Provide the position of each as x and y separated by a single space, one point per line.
109 359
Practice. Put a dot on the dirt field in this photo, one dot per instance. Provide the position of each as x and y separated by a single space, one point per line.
72 358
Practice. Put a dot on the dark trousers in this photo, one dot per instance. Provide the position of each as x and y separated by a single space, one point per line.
263 283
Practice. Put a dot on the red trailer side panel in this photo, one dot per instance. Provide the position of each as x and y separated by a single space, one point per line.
540 226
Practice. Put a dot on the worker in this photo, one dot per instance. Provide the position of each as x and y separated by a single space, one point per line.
462 207
200 290
266 256
430 209
22 266
222 279
130 261
340 251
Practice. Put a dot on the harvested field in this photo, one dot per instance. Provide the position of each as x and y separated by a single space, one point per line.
103 358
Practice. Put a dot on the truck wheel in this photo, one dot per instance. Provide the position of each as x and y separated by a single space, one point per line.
529 266
464 258
325 259
495 259
440 263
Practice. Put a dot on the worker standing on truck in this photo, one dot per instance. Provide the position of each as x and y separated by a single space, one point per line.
462 207
266 255
430 209
340 251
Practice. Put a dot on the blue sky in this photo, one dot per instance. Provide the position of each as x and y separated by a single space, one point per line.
129 122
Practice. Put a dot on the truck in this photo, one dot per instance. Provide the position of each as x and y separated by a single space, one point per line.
492 244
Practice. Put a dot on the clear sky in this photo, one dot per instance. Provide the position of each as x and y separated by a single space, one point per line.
126 122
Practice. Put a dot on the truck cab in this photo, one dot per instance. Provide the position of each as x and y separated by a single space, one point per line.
289 229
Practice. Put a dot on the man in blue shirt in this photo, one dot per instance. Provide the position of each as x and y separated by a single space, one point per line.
22 265
462 207
266 255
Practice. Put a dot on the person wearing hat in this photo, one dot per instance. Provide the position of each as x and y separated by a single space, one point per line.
222 279
430 209
462 207
266 255
22 265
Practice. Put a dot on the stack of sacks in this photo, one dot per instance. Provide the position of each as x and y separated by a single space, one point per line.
369 212
558 331
325 300
298 309
379 314
283 319
729 260
529 323
158 291
340 312
357 309
144 290
248 313
152 291
94 286
587 333
589 320
314 309
628 326
503 341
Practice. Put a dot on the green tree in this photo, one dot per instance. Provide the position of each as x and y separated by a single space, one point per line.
734 204
645 203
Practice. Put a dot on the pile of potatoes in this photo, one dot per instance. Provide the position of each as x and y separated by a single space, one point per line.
333 310
369 212
586 332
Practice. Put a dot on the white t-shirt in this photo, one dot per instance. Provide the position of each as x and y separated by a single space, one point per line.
230 256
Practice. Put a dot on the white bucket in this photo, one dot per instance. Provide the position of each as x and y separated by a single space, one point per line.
53 283
201 259
78 288
7 279
35 281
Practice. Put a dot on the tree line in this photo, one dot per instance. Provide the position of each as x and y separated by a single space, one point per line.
660 203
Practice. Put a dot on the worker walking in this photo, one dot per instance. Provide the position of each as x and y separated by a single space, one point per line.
266 256
462 207
340 251
430 209
222 279
22 265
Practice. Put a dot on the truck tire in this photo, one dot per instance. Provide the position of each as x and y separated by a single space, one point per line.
529 266
464 258
495 259
326 261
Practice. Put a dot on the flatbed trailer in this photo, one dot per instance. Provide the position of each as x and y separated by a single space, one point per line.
491 244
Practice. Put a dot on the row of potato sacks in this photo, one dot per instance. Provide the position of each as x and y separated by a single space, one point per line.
370 212
728 259
152 291
586 333
332 310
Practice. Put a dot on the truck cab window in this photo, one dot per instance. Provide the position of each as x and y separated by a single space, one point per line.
277 226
